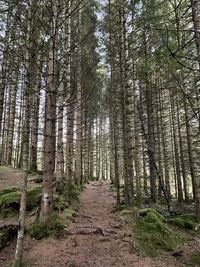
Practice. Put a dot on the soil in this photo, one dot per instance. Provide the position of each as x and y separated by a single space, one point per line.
97 237
10 177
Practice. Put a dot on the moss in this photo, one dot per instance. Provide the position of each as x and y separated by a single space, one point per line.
184 221
10 202
128 214
152 233
195 259
23 264
151 212
8 190
52 227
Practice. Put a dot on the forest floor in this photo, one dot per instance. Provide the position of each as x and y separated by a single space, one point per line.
97 237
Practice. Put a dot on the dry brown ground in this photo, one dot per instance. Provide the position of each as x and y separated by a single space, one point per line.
9 177
98 237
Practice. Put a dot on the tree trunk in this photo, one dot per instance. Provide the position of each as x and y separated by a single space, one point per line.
50 123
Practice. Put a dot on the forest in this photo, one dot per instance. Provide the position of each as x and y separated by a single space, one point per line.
99 133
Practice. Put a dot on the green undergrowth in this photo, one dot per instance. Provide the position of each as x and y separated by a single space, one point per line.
53 227
10 200
68 198
8 190
25 263
194 260
185 222
7 235
66 205
153 234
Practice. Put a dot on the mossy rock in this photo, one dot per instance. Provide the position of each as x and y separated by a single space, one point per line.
153 234
10 202
184 221
52 227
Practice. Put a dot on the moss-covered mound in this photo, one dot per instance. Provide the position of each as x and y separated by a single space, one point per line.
153 234
184 222
53 227
10 201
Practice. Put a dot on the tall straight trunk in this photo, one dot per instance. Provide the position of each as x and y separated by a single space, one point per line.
163 130
196 20
4 130
181 145
126 109
78 166
138 167
60 153
159 154
85 147
50 122
25 132
115 137
35 116
176 153
151 147
91 149
70 104
11 120
70 134
4 64
97 150
150 127
195 184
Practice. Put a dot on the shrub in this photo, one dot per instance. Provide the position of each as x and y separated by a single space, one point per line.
52 227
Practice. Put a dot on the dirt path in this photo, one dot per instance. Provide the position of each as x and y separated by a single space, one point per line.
97 238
